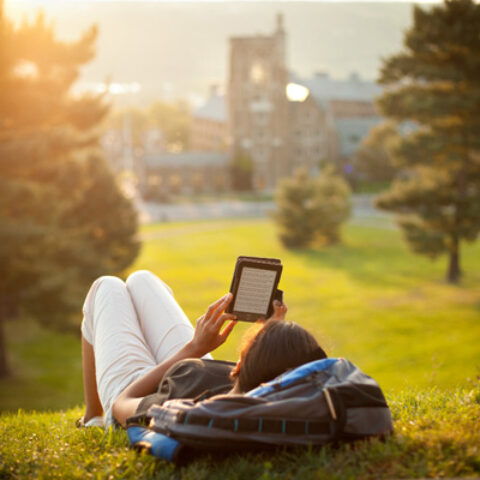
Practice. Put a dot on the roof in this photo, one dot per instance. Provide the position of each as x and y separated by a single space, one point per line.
351 131
253 38
187 159
213 109
324 88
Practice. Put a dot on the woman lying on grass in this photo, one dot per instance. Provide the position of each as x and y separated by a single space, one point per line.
138 348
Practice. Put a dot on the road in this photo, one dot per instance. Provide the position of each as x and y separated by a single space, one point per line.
363 211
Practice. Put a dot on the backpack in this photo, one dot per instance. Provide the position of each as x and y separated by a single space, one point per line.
321 402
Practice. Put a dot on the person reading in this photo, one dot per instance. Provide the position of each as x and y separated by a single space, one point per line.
136 338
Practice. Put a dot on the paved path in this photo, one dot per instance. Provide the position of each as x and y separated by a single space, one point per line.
363 211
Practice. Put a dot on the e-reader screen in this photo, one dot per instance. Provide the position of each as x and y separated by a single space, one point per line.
254 290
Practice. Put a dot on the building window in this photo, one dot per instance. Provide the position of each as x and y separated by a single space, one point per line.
175 182
261 154
261 182
154 180
257 73
219 183
198 182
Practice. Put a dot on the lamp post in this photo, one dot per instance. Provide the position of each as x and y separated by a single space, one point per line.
128 90
128 177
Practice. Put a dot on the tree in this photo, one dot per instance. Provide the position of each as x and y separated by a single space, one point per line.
311 209
174 119
241 172
373 159
435 82
170 120
63 219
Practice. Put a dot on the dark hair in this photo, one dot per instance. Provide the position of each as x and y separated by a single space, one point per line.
275 348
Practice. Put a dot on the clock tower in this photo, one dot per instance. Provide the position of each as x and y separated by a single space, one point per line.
258 105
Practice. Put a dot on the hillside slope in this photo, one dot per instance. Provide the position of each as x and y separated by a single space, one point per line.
437 434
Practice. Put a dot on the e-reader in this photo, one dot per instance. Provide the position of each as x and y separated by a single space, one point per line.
254 287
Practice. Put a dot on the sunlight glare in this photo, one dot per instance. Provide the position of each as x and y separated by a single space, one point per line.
113 88
25 69
296 92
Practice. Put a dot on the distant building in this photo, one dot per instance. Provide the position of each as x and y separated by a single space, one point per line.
164 174
257 104
119 149
284 122
209 125
349 106
153 141
279 120
203 169
308 140
113 144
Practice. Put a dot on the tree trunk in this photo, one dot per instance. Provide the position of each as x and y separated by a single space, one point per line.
454 272
4 366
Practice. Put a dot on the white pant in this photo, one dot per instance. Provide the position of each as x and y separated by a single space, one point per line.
132 327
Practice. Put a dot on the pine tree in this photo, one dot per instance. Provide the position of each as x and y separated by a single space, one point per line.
311 210
63 219
435 82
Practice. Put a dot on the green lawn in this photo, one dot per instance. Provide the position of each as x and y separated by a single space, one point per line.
369 299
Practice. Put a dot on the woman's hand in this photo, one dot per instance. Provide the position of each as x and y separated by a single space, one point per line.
279 310
208 332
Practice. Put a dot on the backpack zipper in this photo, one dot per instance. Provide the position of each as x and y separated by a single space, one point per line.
330 403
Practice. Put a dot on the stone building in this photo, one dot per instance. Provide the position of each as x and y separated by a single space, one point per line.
309 135
279 120
350 112
257 104
282 131
166 174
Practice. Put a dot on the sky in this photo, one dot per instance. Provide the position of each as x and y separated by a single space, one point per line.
179 49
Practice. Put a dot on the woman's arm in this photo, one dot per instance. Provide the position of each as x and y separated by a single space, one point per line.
207 337
90 392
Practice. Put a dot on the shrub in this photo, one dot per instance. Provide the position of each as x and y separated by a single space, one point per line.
311 210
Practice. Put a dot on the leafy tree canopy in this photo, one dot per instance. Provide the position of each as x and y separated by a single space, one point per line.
172 119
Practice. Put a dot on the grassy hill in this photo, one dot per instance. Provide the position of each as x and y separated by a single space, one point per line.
437 435
368 299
